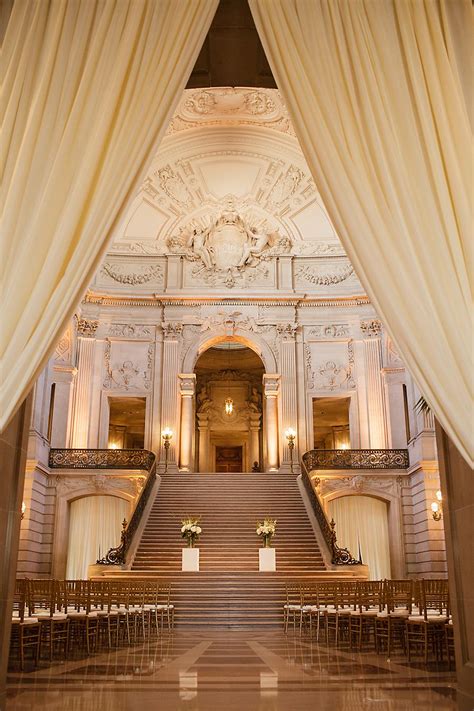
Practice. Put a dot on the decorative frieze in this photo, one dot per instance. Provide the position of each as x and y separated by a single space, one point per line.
312 275
330 330
142 273
130 330
128 374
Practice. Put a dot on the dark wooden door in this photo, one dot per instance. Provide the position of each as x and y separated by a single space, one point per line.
228 459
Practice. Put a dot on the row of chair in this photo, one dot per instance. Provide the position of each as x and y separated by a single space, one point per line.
57 615
410 614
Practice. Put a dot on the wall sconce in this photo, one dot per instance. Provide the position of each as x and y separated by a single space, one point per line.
437 507
166 436
23 509
290 435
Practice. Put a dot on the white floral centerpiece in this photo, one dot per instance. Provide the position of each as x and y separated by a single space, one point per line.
191 530
266 528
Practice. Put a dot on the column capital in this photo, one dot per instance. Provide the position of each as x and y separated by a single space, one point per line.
187 384
271 384
371 328
86 327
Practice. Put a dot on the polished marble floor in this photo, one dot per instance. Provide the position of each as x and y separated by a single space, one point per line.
233 671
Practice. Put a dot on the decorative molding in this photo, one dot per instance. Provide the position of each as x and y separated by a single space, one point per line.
144 273
287 331
101 459
173 185
372 328
317 459
130 330
232 322
63 351
128 375
330 375
304 273
330 330
359 483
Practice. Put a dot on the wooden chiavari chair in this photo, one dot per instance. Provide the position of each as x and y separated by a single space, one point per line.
150 603
26 629
390 622
83 623
165 606
338 615
428 627
369 601
46 605
325 593
450 651
292 606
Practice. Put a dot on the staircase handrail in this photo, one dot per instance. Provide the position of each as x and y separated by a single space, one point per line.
112 459
339 556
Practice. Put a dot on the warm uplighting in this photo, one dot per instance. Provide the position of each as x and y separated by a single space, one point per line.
167 434
436 507
23 509
344 446
112 445
229 406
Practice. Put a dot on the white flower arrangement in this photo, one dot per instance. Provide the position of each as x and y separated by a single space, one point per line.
191 530
266 529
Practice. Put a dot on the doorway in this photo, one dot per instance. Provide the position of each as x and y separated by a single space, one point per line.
228 459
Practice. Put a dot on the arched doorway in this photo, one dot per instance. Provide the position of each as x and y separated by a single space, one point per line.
229 408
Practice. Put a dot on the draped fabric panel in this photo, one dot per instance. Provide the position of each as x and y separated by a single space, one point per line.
88 89
95 523
361 522
379 96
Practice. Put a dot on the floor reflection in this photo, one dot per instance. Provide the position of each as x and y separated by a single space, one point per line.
203 671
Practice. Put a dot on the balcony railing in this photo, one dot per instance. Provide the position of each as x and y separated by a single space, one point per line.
101 459
112 459
356 459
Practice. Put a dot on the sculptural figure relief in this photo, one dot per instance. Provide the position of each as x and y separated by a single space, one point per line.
228 244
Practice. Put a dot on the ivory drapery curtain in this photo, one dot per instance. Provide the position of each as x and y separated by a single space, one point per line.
361 521
95 523
88 89
379 102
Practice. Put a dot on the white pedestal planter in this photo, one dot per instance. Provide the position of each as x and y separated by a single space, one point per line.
266 560
190 560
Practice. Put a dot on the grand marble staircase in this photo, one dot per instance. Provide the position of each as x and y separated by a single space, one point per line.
229 506
228 591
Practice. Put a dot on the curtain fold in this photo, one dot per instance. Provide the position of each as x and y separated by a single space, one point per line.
95 523
379 97
361 522
88 89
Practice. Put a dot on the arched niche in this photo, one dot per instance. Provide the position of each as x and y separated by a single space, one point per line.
206 341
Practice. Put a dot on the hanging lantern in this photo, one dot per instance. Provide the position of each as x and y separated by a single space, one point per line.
229 406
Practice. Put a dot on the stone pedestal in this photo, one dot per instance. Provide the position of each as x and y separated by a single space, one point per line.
190 560
267 560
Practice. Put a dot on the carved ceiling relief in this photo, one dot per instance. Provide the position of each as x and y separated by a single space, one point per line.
123 372
305 274
229 247
201 107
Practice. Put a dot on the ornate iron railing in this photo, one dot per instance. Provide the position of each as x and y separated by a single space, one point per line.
112 459
339 556
101 459
356 459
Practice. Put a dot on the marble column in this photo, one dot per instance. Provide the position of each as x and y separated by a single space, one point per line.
187 391
375 393
254 440
203 443
288 384
83 387
270 389
64 377
170 393
457 486
13 452
394 379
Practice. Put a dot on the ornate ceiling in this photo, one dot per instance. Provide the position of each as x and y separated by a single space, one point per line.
228 144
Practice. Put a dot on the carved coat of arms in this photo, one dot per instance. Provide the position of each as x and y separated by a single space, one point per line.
227 246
